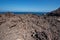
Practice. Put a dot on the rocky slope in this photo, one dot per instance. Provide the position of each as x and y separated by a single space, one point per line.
29 27
55 12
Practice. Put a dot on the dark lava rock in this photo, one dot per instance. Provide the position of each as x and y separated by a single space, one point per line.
55 12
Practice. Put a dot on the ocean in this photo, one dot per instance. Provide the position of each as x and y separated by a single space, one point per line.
37 13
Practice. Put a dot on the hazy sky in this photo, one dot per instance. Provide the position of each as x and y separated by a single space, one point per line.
29 5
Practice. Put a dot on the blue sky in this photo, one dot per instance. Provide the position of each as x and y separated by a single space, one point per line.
29 5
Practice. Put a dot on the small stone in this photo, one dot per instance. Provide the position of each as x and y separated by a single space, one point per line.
19 39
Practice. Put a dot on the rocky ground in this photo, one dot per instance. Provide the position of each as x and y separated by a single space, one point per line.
29 27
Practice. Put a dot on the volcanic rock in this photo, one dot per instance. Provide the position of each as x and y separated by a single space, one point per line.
29 27
55 12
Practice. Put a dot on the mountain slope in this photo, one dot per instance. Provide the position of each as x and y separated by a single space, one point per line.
55 12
